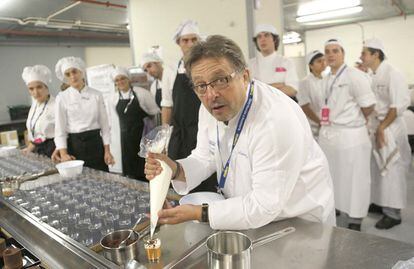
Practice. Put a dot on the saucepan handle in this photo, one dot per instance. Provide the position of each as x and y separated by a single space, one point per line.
273 236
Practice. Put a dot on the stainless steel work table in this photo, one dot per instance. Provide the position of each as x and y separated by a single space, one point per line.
312 246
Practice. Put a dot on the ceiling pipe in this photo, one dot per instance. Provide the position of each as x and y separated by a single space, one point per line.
60 11
80 24
400 8
107 3
62 34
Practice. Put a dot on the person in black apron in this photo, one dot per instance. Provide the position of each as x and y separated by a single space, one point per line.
132 106
185 105
82 128
41 119
185 122
152 65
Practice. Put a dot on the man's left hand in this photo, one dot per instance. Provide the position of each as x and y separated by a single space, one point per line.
109 159
179 214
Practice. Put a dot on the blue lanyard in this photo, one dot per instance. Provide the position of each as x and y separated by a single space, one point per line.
333 82
240 124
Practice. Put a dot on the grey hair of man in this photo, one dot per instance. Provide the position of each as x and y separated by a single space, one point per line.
215 46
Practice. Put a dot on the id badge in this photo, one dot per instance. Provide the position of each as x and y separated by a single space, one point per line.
325 115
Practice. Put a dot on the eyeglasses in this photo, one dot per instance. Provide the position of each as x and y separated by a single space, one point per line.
218 84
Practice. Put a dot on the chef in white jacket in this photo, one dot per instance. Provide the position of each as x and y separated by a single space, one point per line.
389 186
40 122
258 140
82 128
348 100
268 66
152 64
310 94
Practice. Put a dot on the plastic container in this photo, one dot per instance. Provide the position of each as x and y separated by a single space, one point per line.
70 168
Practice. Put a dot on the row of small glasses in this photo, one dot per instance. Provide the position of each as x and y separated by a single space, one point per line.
85 209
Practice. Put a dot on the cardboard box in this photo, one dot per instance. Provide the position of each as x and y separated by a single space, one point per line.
9 138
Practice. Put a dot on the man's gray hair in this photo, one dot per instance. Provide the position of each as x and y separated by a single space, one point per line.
215 46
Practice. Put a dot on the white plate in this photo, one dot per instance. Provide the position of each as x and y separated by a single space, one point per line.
199 198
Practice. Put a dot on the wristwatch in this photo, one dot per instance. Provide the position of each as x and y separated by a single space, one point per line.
204 213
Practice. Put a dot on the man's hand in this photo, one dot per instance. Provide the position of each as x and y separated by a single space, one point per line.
179 214
153 166
380 138
109 159
62 156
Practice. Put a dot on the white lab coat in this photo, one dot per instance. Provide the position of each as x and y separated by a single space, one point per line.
311 92
391 91
346 142
78 112
277 170
45 122
274 69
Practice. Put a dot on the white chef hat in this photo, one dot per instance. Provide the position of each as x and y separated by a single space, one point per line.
149 57
37 73
334 41
185 28
265 28
374 43
68 62
119 70
311 55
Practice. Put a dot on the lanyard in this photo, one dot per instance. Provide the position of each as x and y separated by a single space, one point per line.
240 124
131 98
333 82
33 125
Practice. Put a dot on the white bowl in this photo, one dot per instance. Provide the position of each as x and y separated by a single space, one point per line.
70 168
198 198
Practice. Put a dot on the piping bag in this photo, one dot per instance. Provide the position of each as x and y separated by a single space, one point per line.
156 141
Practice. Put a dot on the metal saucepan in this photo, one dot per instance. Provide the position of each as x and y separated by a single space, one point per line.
228 249
120 254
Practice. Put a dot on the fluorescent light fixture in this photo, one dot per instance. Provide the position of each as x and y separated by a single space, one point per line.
292 40
320 6
329 14
291 37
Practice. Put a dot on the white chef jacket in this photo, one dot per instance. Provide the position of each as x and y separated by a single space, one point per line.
153 88
351 91
168 79
277 170
78 112
311 92
274 69
145 99
391 91
42 116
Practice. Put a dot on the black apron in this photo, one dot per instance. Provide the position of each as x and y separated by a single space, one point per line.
88 146
45 148
158 95
185 122
131 122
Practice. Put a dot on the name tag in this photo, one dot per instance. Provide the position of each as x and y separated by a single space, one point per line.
325 116
280 69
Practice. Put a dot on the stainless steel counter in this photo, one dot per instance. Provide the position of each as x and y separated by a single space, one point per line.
311 246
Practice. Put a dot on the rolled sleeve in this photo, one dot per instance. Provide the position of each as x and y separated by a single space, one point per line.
399 93
361 87
103 121
147 101
277 159
303 93
167 87
291 78
61 134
